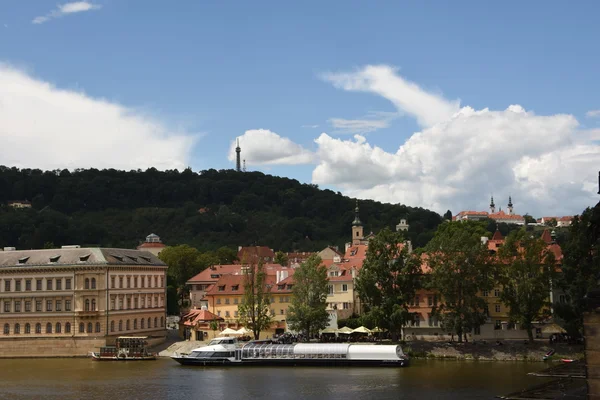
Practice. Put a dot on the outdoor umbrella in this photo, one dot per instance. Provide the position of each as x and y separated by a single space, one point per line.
361 329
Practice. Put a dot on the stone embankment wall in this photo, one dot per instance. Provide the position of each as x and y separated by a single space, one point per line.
48 347
183 347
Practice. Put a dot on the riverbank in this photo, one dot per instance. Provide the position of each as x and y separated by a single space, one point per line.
509 351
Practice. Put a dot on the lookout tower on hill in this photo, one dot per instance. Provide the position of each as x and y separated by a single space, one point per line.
238 156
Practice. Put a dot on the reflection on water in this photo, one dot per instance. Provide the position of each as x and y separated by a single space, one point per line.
165 379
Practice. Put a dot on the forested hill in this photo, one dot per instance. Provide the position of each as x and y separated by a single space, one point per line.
206 210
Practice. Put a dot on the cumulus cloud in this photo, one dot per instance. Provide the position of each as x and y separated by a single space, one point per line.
429 109
65 9
50 128
261 146
593 114
546 162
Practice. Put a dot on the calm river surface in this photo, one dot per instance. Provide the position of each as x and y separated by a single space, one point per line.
165 379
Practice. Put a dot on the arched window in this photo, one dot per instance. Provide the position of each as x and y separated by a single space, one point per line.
6 329
142 323
87 283
120 325
162 322
68 327
38 328
149 323
48 327
135 323
58 328
27 328
93 305
127 325
87 304
112 326
97 327
90 327
155 322
81 327
93 283
17 328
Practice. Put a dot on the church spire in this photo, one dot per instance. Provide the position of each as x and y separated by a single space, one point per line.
510 205
492 205
238 150
356 221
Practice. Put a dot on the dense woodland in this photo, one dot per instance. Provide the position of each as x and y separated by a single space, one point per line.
206 210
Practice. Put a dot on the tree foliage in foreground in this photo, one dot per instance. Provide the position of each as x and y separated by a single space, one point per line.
254 311
460 269
527 270
387 282
580 269
307 312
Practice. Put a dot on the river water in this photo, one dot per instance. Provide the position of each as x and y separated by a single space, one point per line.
165 379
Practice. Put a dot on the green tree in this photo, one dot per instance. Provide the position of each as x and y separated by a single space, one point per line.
527 269
460 269
529 219
254 311
580 269
281 258
388 281
307 312
184 262
226 255
448 215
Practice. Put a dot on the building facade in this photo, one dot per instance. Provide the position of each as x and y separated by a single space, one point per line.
69 301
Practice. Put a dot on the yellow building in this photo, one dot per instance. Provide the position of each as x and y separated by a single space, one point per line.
227 293
69 301
341 296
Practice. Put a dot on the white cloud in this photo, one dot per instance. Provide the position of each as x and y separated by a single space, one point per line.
546 162
383 80
49 128
310 126
65 9
373 122
261 146
593 113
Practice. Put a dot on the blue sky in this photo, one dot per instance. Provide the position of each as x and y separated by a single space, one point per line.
214 70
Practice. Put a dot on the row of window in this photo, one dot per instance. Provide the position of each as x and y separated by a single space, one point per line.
432 320
51 284
143 324
129 282
432 301
486 293
138 302
51 305
58 328
335 306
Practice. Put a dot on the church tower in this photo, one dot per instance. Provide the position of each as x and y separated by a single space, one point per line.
238 157
510 206
357 228
492 206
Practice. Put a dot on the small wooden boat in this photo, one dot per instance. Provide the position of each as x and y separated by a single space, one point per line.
127 348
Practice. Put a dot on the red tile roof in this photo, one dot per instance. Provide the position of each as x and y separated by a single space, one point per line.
150 244
246 254
195 316
358 251
546 236
473 213
503 215
497 235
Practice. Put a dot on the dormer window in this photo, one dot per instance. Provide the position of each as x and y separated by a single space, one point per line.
280 287
54 259
147 259
222 288
235 288
23 260
289 287
84 258
120 258
215 276
134 259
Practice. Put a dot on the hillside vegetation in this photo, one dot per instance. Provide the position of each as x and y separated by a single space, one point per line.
206 210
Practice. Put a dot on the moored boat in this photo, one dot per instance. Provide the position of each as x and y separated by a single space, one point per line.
225 351
127 348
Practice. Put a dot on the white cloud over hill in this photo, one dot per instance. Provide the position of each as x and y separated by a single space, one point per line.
45 127
462 155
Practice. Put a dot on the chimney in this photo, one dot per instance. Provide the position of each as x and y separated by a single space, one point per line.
277 276
484 240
